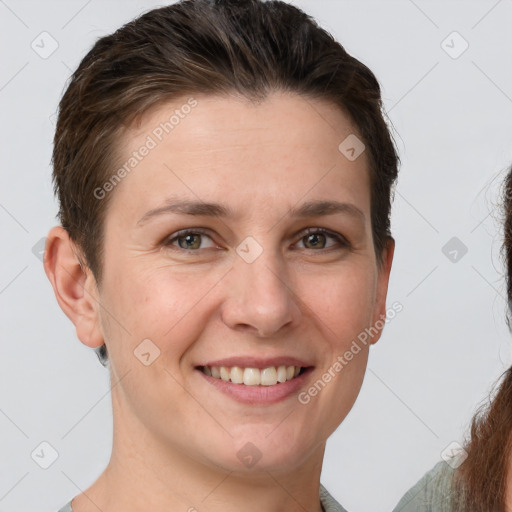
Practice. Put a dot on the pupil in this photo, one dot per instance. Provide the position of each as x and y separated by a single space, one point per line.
189 241
315 238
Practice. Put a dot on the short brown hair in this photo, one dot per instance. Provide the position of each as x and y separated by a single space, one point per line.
217 47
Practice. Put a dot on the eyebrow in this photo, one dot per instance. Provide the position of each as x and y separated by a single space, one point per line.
317 208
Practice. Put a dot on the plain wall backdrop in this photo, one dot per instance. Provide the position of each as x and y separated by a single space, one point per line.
446 75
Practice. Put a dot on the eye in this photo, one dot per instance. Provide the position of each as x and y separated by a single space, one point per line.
188 239
317 238
313 238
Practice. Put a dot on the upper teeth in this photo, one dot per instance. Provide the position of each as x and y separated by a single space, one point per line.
253 376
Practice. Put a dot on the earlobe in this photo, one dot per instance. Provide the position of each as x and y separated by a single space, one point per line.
379 317
75 288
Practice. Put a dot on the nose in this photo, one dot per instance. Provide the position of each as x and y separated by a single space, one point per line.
260 297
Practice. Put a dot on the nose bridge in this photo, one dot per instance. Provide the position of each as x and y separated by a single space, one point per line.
267 275
260 295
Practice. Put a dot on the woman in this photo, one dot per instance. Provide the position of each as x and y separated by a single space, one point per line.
477 479
224 173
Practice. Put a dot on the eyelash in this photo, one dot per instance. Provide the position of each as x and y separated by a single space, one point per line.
342 241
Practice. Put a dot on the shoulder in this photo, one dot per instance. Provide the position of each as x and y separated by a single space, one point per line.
66 508
328 502
432 493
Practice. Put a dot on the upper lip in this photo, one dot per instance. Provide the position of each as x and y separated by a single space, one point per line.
257 362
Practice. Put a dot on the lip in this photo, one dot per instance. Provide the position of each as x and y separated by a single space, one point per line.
257 362
260 395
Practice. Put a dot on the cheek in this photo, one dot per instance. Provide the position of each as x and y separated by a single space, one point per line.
159 304
149 297
343 302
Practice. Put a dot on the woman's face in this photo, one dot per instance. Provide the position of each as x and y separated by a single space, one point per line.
247 281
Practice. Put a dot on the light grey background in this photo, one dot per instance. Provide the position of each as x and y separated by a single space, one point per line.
435 361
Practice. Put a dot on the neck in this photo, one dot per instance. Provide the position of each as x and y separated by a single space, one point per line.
146 473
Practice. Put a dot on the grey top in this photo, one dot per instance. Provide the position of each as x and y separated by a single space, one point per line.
432 493
329 504
66 508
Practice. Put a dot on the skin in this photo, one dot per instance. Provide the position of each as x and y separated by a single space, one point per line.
176 438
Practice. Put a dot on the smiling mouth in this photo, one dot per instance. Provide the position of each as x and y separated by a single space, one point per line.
254 376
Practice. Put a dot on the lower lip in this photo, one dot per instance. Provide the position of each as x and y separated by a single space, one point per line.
259 395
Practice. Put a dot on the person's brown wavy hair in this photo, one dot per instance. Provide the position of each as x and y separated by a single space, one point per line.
481 480
219 47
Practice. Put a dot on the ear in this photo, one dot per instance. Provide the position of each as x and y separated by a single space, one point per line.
75 287
384 270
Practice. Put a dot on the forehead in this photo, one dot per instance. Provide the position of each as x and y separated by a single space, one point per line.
279 149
